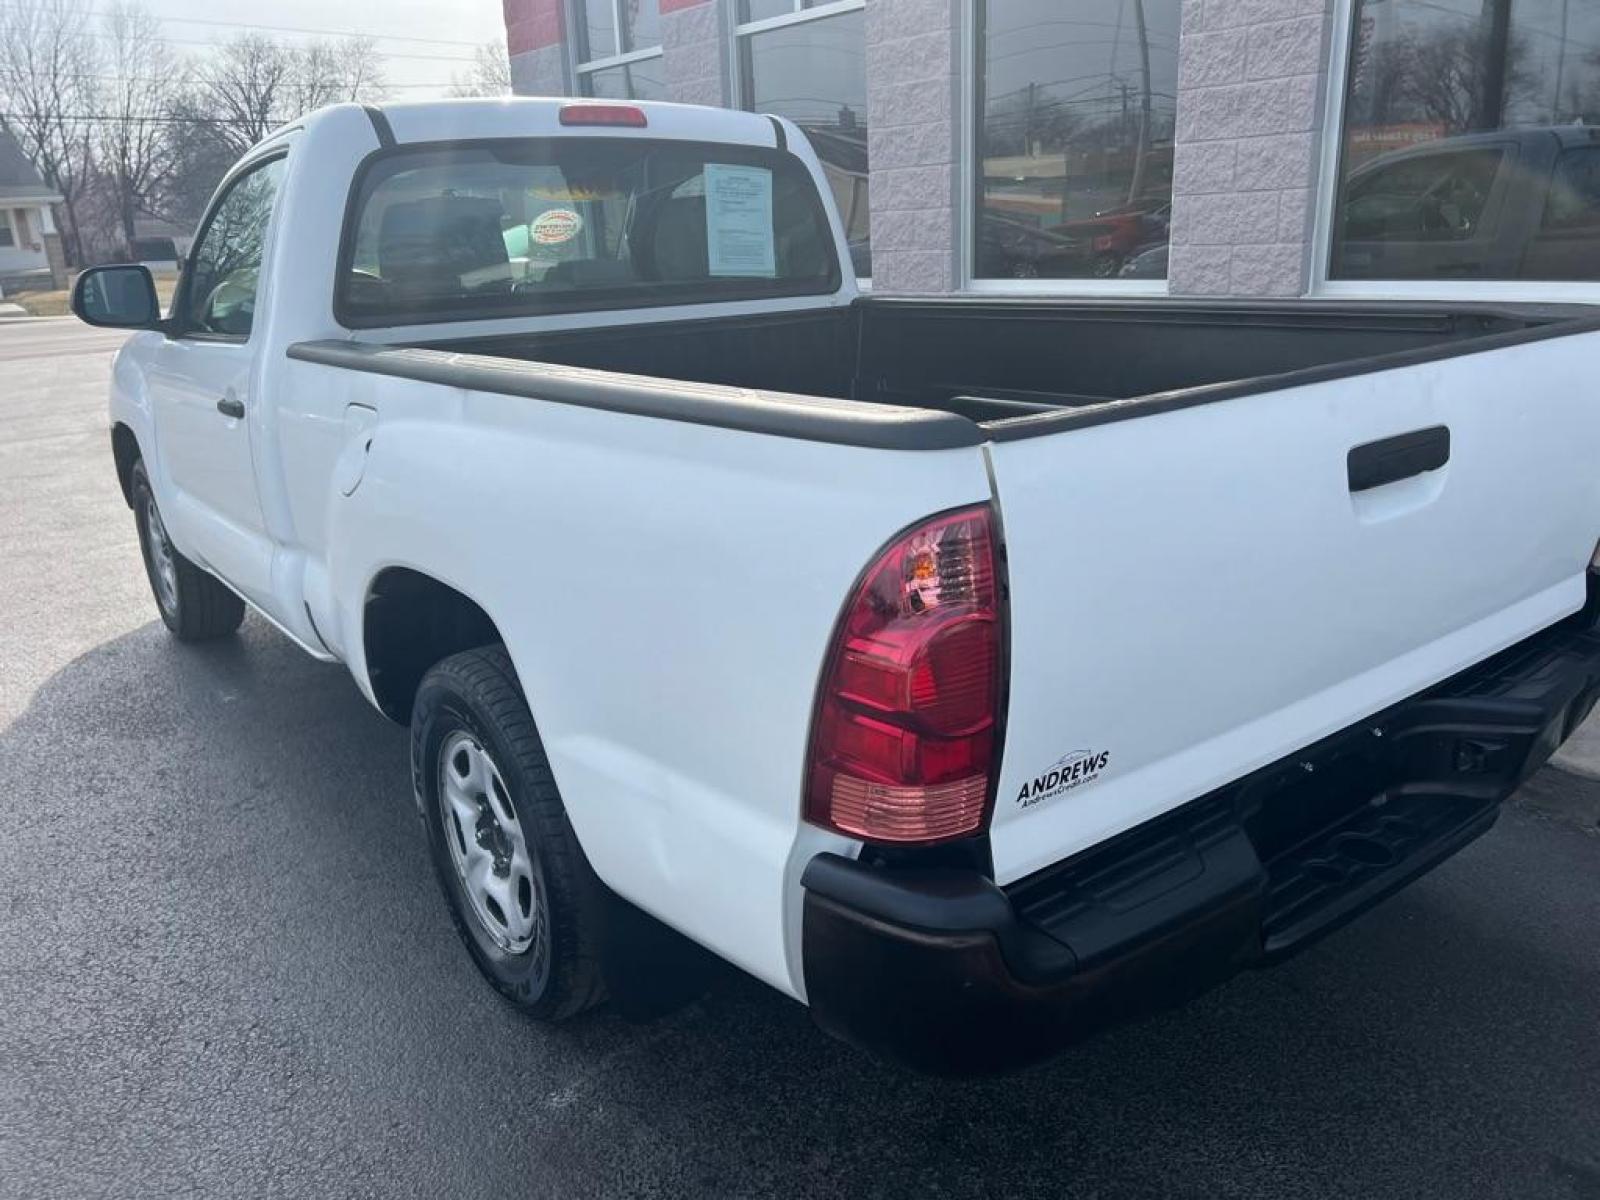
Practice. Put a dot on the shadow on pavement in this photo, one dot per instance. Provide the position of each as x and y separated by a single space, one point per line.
228 970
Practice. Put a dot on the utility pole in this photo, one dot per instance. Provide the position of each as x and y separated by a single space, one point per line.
1136 183
1496 41
1561 62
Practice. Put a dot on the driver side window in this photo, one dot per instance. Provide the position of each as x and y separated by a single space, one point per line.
1435 197
226 264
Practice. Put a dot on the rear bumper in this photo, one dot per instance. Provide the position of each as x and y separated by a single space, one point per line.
943 971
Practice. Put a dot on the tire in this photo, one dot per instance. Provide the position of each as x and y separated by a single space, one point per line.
532 913
194 605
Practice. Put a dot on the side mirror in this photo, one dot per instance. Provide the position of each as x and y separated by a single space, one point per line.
122 297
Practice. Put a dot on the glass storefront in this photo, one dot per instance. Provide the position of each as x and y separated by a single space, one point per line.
1073 139
619 49
813 71
630 81
1471 142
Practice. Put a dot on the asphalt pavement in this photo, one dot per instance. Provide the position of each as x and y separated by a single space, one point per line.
225 970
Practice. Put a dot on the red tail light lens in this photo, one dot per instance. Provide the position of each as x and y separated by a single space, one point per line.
603 114
904 742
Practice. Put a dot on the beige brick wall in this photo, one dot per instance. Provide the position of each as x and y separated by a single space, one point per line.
912 96
694 54
541 72
1251 81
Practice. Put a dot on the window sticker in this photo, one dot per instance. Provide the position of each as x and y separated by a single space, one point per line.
555 226
739 221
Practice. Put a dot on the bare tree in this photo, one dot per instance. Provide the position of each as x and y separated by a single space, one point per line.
143 79
244 87
333 73
254 84
199 158
489 75
48 69
1441 77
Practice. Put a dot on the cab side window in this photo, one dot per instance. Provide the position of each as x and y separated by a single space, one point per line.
225 267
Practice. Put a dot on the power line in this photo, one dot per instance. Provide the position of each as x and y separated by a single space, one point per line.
381 37
164 119
386 54
161 79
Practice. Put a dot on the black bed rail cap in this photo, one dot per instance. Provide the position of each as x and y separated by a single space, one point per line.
779 414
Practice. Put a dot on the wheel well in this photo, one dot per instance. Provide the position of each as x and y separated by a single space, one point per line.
125 450
412 621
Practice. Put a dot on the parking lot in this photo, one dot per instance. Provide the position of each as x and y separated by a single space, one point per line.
225 970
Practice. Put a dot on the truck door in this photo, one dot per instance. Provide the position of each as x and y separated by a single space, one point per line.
203 389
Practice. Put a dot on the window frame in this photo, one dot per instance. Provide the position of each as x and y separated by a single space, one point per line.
1326 199
583 68
968 204
180 326
8 230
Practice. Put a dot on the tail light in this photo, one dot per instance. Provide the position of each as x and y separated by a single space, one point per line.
903 747
602 114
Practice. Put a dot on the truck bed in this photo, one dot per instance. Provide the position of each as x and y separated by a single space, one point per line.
1319 512
1005 363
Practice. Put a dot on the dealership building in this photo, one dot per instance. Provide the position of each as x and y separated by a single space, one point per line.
1148 147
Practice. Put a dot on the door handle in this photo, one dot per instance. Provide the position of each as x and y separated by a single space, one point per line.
1400 457
230 407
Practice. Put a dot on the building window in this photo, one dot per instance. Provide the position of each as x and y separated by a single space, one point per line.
619 49
7 237
1469 149
1073 140
808 62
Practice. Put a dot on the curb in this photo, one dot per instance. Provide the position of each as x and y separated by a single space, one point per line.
1580 754
1579 767
1564 794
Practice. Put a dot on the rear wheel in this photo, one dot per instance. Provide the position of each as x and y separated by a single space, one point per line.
193 604
524 899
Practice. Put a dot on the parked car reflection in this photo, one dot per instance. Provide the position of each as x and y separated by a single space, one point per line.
1150 263
1012 248
1116 234
1513 204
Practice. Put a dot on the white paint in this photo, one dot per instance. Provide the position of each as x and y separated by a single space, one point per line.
1198 593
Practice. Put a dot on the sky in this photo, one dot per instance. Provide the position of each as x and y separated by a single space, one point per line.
423 42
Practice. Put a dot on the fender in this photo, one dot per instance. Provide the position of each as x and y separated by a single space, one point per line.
603 546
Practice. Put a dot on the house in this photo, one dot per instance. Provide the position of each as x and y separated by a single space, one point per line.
160 244
30 247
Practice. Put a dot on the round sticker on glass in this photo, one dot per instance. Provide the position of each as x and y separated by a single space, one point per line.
556 225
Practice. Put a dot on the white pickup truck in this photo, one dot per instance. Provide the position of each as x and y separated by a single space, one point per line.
976 671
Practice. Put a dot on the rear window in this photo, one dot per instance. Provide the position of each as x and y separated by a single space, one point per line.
544 225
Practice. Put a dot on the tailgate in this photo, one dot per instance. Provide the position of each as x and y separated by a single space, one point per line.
1200 591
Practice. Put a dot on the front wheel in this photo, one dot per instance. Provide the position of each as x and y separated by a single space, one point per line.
524 899
193 604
